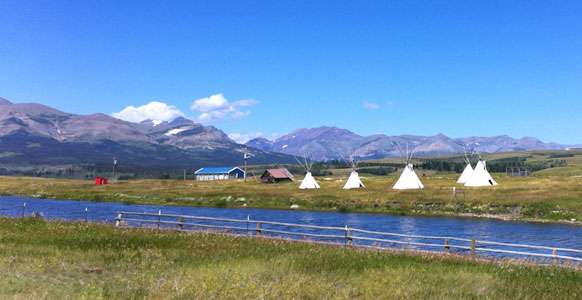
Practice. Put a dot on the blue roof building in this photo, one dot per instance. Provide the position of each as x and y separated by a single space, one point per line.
219 173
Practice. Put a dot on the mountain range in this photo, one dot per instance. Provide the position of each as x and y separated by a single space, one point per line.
37 135
329 143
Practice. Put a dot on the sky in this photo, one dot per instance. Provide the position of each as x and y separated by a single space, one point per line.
265 68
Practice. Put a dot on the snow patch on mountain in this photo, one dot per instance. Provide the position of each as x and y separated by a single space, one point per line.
175 131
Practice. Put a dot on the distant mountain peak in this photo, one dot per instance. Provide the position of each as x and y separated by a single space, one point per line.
261 139
323 129
181 121
441 136
4 101
261 143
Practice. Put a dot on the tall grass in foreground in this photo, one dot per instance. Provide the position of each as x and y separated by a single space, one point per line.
54 260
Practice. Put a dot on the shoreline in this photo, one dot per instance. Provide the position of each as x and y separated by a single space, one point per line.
180 202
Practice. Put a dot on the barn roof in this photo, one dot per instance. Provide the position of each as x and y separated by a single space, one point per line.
280 173
216 170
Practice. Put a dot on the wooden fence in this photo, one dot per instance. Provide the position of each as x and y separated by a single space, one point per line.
348 236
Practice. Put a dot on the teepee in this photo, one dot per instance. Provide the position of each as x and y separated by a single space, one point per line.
480 176
308 182
408 179
354 181
467 172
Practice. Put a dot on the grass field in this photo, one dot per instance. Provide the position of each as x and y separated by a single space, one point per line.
53 260
549 195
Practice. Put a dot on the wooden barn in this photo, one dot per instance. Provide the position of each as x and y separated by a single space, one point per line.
276 175
222 173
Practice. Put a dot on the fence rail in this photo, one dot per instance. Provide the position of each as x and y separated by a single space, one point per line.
348 236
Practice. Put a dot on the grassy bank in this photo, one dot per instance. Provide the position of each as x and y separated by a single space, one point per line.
546 198
52 260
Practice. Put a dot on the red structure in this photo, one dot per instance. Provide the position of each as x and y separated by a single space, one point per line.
276 175
100 180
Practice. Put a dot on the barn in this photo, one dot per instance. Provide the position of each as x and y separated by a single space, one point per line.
220 173
276 175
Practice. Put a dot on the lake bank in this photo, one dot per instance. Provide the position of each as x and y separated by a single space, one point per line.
540 200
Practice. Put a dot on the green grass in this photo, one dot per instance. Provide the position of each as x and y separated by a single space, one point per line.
54 260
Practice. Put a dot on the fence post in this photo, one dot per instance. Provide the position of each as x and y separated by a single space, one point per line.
447 248
348 236
23 209
258 229
555 255
248 222
86 215
118 220
473 246
180 223
159 218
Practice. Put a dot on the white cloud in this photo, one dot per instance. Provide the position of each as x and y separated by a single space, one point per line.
370 105
217 107
155 111
242 138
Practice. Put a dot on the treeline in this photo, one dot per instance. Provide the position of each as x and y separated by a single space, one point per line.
496 165
442 165
378 170
501 165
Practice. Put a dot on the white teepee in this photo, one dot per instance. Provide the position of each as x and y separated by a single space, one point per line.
466 174
354 181
481 176
308 182
408 179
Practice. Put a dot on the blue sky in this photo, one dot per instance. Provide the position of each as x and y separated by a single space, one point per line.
267 67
